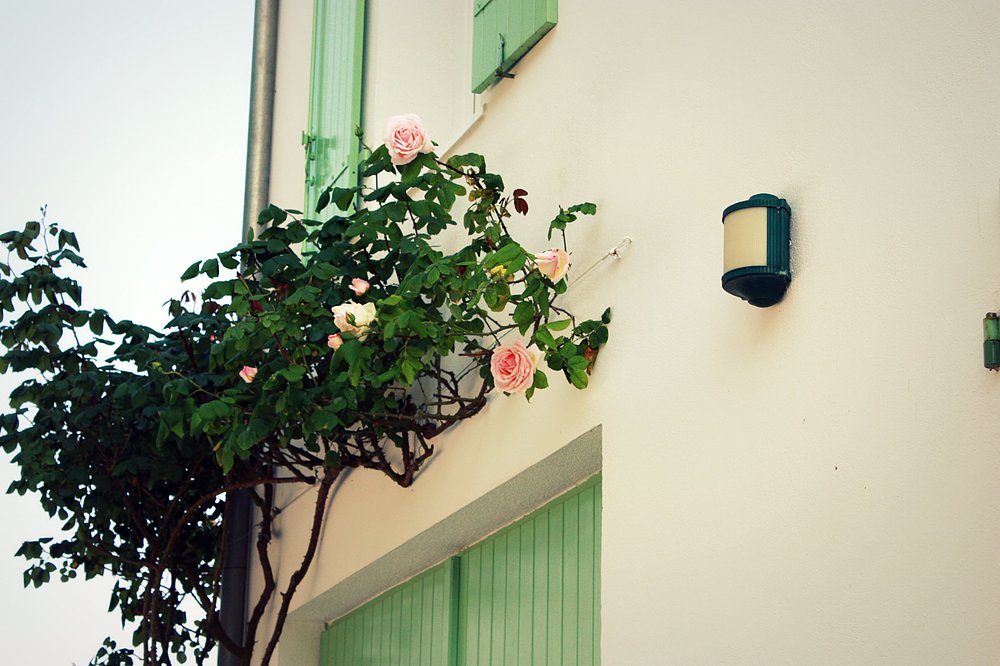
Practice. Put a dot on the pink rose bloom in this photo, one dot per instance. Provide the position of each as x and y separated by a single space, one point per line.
513 367
248 373
359 286
334 341
553 264
405 136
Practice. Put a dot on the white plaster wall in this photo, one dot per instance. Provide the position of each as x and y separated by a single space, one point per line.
812 483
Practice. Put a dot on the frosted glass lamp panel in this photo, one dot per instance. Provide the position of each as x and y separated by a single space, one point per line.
745 239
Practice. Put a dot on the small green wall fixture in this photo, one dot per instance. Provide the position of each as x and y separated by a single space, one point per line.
991 341
756 236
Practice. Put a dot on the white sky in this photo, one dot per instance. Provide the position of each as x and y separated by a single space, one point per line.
129 120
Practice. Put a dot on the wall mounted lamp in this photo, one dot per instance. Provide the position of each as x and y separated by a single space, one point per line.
991 341
755 261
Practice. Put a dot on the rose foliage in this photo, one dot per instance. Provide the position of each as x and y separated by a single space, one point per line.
292 366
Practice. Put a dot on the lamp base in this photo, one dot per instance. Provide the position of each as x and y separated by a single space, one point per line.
759 289
991 354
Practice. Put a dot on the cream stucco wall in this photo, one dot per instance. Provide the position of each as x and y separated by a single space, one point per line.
815 483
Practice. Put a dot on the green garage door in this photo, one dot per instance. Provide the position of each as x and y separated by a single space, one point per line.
526 596
410 624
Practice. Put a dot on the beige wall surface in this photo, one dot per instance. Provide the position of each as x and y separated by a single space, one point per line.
814 483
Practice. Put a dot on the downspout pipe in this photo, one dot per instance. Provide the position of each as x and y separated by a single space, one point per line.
262 77
235 568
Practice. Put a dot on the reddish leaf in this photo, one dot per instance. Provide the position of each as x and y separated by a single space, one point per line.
518 193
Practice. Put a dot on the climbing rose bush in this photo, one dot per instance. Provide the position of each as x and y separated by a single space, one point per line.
410 304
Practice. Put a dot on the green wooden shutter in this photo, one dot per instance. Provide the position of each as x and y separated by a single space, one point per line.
503 31
332 149
413 624
526 596
530 595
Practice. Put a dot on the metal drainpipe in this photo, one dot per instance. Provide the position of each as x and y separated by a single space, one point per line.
235 579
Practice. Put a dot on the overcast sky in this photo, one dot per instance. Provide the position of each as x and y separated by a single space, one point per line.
128 119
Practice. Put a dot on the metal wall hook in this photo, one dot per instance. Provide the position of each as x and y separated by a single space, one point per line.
618 251
501 51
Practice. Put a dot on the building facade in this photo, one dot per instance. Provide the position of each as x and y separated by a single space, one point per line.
810 483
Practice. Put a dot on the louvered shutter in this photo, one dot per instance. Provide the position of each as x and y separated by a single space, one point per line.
503 31
332 149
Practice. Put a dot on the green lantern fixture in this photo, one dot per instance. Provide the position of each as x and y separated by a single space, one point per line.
756 249
991 341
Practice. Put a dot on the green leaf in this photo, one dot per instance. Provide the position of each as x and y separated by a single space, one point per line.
272 214
323 201
409 371
524 314
344 197
218 290
468 160
214 410
410 170
576 370
504 255
211 268
324 419
97 323
350 351
228 260
496 296
586 208
544 338
191 271
293 373
323 271
540 381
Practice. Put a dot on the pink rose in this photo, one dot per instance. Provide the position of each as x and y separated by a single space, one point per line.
334 341
513 367
405 136
359 286
553 264
248 373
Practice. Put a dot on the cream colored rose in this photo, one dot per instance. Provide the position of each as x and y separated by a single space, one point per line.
354 318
